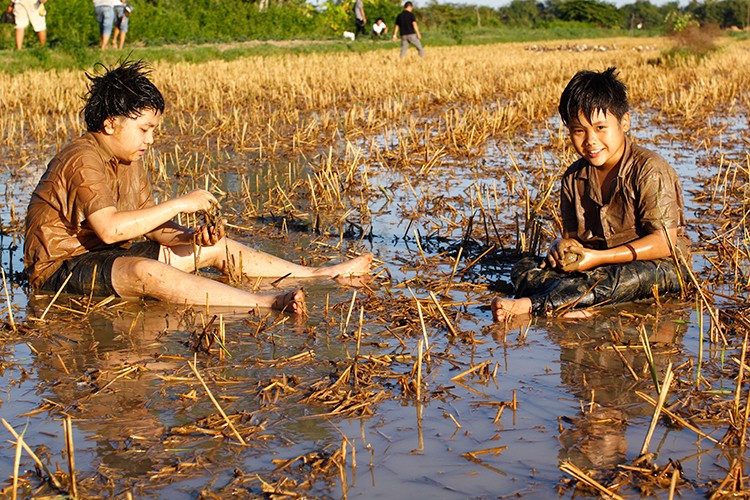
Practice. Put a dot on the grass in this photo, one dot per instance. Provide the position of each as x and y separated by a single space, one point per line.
57 56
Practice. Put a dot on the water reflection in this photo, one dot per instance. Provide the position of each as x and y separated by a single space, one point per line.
122 375
602 364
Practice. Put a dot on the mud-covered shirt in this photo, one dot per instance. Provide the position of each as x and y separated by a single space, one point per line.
646 197
81 179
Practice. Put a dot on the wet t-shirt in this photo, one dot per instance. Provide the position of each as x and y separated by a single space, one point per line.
81 179
646 197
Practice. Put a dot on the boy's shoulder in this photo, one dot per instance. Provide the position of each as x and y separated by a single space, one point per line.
636 159
645 154
82 153
644 161
82 146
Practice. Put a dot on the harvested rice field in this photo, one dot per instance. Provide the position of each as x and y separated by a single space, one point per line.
447 170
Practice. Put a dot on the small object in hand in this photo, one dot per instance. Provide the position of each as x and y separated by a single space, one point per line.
570 260
211 220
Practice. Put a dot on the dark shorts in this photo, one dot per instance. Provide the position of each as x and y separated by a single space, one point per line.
82 269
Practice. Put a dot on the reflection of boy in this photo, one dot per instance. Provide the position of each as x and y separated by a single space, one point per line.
94 200
621 208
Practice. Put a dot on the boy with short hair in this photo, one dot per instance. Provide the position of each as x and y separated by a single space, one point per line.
379 28
406 22
96 198
622 214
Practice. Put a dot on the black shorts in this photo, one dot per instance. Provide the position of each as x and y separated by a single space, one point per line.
82 268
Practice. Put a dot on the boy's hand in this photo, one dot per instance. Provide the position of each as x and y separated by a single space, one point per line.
197 200
556 256
209 235
580 259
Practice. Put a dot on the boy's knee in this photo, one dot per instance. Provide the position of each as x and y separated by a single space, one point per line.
133 269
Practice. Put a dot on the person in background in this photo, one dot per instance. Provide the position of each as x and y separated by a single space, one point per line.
406 23
122 18
30 12
360 18
104 12
379 28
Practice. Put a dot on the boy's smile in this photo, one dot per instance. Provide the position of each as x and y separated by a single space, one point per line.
600 141
129 138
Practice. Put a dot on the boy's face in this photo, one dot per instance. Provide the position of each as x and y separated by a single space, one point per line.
600 141
129 138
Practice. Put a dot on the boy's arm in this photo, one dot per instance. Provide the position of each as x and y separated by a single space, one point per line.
395 32
113 226
650 247
416 30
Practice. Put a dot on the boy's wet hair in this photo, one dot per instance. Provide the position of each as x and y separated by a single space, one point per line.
122 91
589 92
408 4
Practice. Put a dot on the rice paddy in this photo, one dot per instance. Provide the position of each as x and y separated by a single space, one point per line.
447 170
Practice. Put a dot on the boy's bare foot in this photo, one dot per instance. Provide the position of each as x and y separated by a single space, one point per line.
578 314
354 267
291 302
505 309
354 280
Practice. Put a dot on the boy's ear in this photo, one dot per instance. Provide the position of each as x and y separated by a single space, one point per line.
109 125
625 122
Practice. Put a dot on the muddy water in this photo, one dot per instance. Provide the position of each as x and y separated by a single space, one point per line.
576 399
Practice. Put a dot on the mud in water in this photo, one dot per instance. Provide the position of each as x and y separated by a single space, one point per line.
399 388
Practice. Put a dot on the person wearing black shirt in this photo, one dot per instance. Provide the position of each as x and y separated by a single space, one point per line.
406 23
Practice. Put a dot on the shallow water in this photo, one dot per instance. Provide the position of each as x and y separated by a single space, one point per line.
575 398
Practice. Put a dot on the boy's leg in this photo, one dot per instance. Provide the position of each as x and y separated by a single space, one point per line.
136 277
611 284
255 263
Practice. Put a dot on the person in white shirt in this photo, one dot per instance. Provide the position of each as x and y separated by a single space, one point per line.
379 28
104 10
29 12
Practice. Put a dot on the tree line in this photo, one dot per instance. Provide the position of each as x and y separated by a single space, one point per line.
156 22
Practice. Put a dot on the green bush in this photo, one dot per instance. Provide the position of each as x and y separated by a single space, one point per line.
72 28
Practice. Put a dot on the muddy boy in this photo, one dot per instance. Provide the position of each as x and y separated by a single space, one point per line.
621 206
92 220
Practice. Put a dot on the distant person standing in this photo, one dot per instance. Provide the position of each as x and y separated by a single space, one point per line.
122 18
104 10
406 22
30 12
360 18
